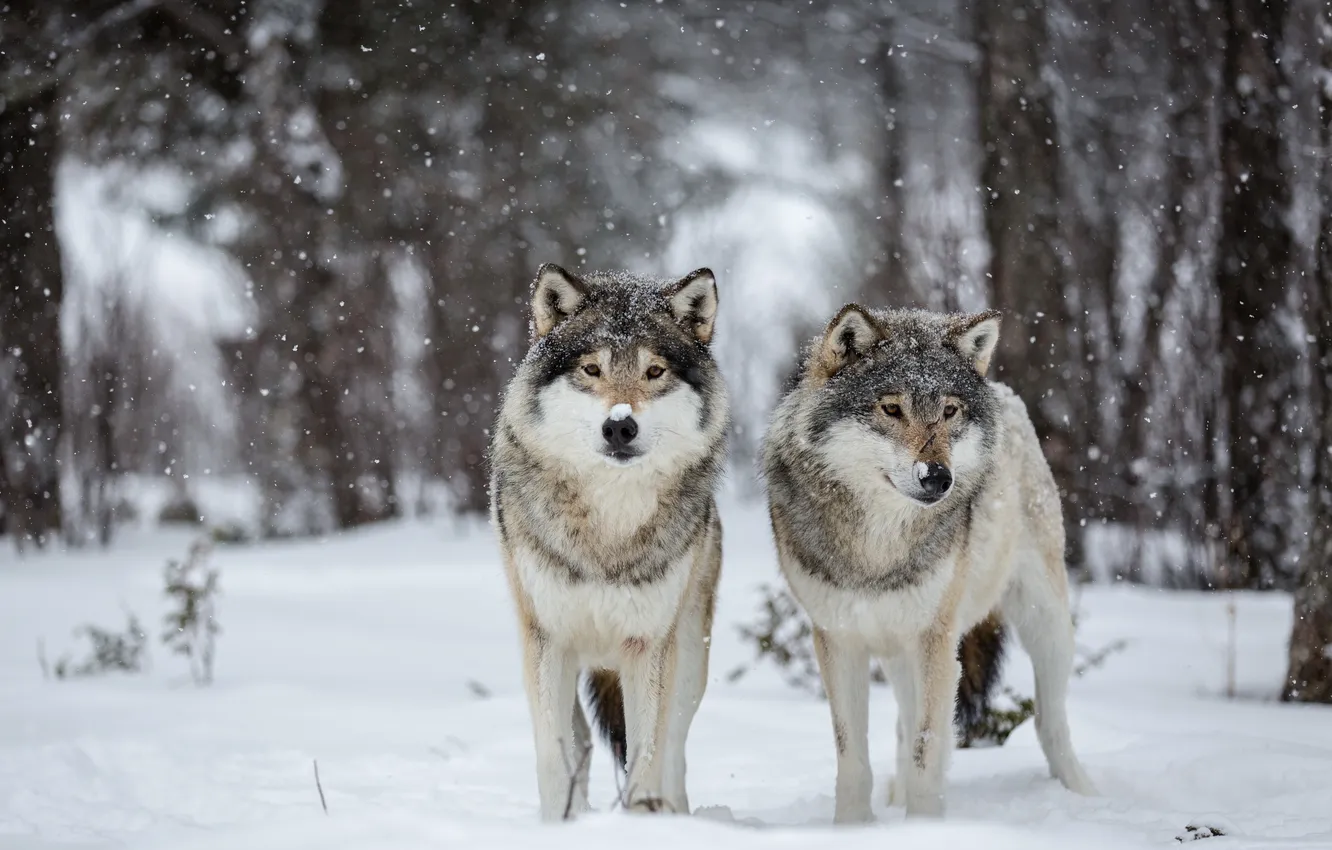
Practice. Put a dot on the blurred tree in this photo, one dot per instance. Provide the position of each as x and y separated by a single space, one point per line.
1309 676
30 274
1178 416
1257 359
387 178
30 291
44 45
1019 182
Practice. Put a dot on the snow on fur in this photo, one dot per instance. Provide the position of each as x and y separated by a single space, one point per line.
621 412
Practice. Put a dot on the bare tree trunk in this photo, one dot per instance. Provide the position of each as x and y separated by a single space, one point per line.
1309 677
889 280
324 349
30 293
1185 168
482 273
1019 184
1252 279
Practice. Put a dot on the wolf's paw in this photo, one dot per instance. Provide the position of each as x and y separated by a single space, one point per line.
650 805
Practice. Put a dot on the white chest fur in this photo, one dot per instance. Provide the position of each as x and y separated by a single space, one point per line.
882 621
596 618
620 500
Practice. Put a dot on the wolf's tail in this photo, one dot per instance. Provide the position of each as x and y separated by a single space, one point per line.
606 700
981 653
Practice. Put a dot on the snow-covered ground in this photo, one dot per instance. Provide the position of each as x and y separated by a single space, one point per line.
390 656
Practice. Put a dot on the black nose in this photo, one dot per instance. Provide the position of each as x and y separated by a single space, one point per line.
619 433
936 480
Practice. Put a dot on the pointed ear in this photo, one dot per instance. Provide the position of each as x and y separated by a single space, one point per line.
694 303
849 337
556 295
976 336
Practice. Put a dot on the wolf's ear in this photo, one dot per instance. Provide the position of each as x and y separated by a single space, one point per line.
694 303
975 336
556 295
850 336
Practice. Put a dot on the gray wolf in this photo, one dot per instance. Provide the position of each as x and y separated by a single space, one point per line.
606 453
911 504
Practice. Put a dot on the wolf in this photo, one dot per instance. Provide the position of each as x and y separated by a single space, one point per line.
911 505
605 457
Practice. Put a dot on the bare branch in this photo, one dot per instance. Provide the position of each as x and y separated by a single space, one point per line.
1097 658
574 773
205 27
21 84
320 786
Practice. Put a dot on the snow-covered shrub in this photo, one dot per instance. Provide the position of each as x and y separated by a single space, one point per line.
998 721
191 627
783 635
110 651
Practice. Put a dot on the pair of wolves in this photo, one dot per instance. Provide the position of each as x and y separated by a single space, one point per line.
909 498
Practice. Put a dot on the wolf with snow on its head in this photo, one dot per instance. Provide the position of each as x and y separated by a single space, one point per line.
912 506
606 454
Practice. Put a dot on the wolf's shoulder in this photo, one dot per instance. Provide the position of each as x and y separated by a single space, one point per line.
1018 441
1012 409
1016 435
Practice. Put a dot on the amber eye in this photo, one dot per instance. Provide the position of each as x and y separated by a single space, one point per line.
950 410
592 370
654 372
893 410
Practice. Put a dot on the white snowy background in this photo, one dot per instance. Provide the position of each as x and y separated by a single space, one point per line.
390 655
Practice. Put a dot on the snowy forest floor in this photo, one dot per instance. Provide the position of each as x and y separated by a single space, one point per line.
390 656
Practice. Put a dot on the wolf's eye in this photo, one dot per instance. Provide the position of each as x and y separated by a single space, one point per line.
592 370
654 372
950 410
893 410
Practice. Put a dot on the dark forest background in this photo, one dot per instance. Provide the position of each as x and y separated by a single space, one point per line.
287 243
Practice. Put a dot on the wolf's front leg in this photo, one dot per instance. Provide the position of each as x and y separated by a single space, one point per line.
902 673
937 672
647 675
691 678
845 671
551 674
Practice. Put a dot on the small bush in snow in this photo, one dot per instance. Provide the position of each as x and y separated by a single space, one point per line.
1195 831
191 626
783 635
110 652
996 724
